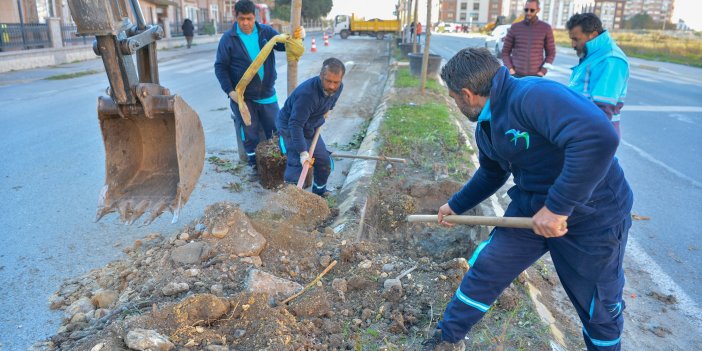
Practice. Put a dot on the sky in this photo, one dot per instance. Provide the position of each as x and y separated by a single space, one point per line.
689 10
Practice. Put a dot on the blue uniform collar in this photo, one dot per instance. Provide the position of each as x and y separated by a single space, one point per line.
485 114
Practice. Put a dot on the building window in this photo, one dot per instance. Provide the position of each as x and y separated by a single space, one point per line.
464 6
476 6
463 17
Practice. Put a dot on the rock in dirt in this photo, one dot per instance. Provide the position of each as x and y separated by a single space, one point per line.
311 304
262 282
393 210
233 231
201 307
216 348
190 253
142 339
82 305
300 207
456 263
357 282
104 298
174 288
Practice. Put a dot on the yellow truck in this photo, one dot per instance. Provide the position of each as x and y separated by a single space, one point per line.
346 26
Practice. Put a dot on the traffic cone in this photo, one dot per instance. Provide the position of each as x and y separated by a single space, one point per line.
314 46
326 40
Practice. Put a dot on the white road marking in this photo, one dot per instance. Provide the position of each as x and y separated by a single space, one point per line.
178 64
656 161
198 67
656 108
685 304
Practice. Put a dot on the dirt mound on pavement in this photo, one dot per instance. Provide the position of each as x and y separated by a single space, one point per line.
299 207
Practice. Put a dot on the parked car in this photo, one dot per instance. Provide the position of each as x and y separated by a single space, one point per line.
496 40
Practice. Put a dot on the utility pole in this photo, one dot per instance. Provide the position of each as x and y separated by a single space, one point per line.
408 18
425 58
295 15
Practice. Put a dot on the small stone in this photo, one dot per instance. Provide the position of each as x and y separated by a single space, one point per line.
82 305
143 339
220 232
261 282
328 231
217 348
192 272
442 277
325 260
217 290
383 275
339 284
98 347
389 284
388 267
104 298
79 318
190 253
357 321
174 288
200 329
245 307
184 236
365 264
239 333
319 244
190 343
200 227
343 242
366 314
56 301
101 312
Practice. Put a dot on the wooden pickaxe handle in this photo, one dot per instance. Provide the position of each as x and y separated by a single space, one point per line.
307 165
505 222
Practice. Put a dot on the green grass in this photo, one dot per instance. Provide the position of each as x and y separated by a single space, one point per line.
224 165
426 134
405 79
651 45
72 75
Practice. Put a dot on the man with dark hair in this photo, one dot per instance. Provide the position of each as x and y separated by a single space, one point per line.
560 149
526 42
603 72
237 49
305 111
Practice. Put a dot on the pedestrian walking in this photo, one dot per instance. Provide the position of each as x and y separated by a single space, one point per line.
188 31
304 111
529 47
602 74
559 148
237 49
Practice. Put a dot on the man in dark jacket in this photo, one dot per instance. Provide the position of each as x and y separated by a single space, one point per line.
305 111
188 31
237 49
526 42
560 149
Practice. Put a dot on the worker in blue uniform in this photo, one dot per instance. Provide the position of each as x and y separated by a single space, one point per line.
304 111
559 147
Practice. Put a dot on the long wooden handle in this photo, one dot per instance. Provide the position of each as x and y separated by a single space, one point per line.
306 166
506 222
377 158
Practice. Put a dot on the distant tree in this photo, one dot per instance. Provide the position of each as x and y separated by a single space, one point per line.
641 21
311 9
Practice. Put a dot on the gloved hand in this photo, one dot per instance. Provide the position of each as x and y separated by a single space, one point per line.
305 157
233 96
300 33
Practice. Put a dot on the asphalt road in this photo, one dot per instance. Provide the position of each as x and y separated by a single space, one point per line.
661 123
52 167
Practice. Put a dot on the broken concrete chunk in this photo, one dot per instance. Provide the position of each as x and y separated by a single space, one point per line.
143 339
190 253
174 288
262 282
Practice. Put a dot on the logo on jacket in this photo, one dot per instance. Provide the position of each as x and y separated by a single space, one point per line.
516 135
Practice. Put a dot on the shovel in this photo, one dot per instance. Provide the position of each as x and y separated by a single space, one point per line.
505 222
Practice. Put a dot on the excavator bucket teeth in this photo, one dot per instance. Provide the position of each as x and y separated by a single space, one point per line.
154 154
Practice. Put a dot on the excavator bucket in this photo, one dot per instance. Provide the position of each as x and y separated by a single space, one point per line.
154 153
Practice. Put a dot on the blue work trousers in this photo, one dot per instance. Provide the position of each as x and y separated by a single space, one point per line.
262 117
322 166
589 265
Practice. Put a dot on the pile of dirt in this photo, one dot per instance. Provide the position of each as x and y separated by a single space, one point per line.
300 207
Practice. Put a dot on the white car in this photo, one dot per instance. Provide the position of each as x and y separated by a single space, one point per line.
496 40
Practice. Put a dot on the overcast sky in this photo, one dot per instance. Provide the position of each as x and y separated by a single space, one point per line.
689 10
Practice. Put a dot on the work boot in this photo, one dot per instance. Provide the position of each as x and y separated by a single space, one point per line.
436 343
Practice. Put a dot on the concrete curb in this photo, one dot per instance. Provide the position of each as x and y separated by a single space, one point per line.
28 59
356 186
